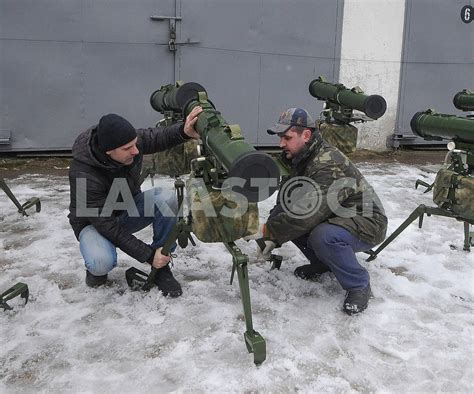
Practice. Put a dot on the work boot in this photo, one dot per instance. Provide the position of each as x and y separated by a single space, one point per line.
95 280
166 282
357 300
311 271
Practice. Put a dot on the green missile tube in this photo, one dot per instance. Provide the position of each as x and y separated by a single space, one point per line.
225 142
431 125
464 100
373 106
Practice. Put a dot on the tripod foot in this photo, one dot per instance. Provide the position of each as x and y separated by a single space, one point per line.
256 345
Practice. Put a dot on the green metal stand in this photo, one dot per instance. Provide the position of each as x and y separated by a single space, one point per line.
423 183
468 236
181 232
419 213
139 280
253 340
20 289
21 207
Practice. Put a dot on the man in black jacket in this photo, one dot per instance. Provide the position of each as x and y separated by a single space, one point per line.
107 205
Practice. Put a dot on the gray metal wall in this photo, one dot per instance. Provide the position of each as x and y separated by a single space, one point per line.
256 58
64 63
438 58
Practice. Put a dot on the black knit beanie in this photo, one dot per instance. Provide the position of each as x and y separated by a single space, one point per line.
114 131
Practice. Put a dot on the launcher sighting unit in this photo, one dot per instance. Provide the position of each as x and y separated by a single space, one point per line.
453 188
227 179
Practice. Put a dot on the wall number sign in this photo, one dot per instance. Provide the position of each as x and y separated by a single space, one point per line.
467 14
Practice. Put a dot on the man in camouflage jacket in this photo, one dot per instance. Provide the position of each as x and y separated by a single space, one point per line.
107 205
326 208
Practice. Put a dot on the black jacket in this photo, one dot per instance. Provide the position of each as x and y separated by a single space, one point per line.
100 171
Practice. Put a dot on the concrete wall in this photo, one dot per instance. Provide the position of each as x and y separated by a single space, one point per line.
371 54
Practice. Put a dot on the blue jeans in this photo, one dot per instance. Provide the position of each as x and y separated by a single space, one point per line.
333 247
100 255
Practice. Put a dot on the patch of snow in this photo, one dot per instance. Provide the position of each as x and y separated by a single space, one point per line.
416 334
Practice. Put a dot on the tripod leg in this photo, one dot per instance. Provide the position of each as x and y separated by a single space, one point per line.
138 279
11 196
253 340
20 289
468 240
417 213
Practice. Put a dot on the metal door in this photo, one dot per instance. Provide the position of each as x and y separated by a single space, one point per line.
65 63
256 58
438 60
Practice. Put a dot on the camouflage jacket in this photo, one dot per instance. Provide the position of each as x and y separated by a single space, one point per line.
341 196
100 171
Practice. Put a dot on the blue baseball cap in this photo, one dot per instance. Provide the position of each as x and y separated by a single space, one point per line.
290 118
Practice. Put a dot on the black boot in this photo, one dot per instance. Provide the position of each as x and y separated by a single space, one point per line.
311 271
357 300
95 280
166 282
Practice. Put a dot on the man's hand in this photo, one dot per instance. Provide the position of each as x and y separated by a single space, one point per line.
266 251
259 234
264 246
191 119
160 260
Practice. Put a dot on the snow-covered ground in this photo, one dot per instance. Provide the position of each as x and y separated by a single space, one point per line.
416 335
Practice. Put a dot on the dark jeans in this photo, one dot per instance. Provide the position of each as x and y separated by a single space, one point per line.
331 246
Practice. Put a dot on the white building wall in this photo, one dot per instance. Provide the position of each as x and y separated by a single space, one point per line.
371 54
